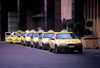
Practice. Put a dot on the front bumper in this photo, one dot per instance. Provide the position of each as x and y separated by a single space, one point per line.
28 42
69 47
46 45
36 44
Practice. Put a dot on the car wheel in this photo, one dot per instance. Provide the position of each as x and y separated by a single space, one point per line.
26 44
50 50
43 48
39 47
10 42
80 50
71 51
21 42
56 50
30 45
34 45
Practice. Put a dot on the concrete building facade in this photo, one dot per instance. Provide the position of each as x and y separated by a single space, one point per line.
48 14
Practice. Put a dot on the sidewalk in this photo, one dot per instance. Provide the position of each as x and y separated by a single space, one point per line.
92 51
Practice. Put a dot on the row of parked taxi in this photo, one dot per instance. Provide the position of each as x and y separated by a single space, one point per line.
58 41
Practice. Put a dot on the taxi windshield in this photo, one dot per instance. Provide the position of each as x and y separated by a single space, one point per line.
23 34
66 36
47 35
16 34
37 34
29 34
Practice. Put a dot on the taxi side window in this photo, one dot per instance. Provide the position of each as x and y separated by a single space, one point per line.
40 36
55 36
15 34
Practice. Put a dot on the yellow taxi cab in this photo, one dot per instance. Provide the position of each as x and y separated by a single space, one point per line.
26 38
63 41
13 37
34 39
44 39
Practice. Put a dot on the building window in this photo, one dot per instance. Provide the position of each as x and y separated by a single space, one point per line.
12 21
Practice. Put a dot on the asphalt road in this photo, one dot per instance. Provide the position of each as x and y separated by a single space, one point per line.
18 56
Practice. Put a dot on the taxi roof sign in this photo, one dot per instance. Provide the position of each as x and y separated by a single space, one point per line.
27 31
64 30
32 30
51 31
41 30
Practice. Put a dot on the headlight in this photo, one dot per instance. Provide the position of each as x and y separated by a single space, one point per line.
45 41
35 41
27 39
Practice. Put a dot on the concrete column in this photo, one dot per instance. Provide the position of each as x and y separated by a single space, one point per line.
84 10
98 18
91 15
94 21
88 13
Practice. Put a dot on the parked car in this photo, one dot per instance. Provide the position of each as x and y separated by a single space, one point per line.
65 41
26 38
13 37
44 40
34 39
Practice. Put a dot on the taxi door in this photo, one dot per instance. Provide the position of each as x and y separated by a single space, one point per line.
7 35
32 39
52 42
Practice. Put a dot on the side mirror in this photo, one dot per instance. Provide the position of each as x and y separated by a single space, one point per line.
24 36
31 36
18 36
11 35
52 39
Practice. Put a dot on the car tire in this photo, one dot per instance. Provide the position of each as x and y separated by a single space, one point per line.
56 50
34 45
71 51
26 44
21 42
80 50
39 47
50 50
10 42
30 45
43 48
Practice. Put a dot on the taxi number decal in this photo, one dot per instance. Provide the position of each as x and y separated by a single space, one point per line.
16 39
10 38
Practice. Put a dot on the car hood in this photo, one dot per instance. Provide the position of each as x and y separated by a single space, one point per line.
68 41
46 39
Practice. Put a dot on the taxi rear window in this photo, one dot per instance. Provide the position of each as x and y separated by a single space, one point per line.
37 34
66 36
23 34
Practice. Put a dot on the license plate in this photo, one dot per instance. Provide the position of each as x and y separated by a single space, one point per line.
71 46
